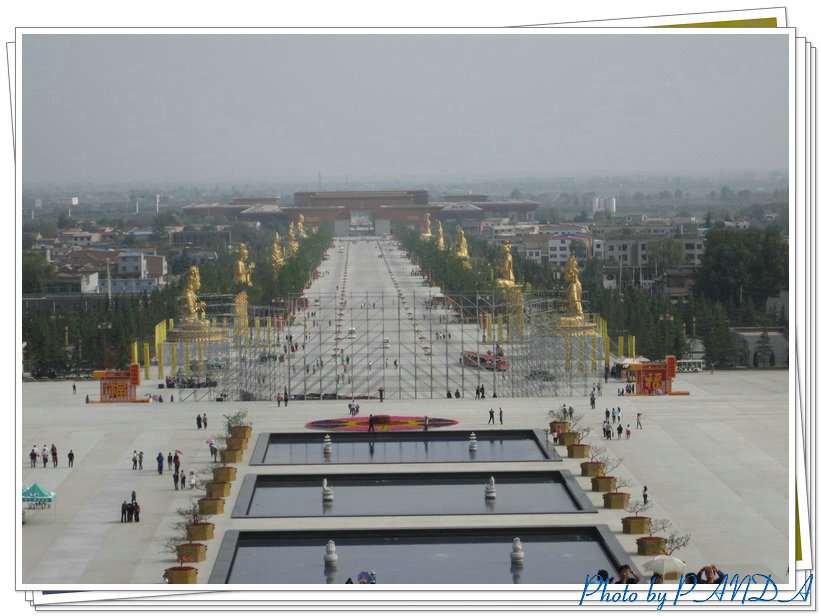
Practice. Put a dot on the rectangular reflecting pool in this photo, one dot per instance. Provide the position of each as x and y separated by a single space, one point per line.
410 494
552 555
378 447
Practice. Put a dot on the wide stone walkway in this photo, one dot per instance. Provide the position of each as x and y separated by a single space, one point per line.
715 463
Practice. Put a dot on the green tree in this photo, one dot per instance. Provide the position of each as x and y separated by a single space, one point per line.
36 272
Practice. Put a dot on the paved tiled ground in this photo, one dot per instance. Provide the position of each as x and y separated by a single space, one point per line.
715 463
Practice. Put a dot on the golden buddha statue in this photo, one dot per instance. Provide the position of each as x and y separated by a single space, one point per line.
505 274
276 251
574 287
426 234
192 326
242 272
293 244
440 236
192 307
461 247
300 230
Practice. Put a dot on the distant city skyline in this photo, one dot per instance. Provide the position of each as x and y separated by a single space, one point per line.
157 108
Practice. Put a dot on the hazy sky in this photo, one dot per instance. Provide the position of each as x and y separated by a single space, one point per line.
107 108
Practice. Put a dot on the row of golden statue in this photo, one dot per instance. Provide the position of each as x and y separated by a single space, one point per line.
506 281
192 325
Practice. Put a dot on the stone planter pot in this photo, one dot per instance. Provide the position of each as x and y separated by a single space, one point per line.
225 473
592 469
231 456
237 443
181 575
635 525
191 552
578 451
241 432
213 506
616 500
603 484
569 438
201 531
650 546
218 489
564 426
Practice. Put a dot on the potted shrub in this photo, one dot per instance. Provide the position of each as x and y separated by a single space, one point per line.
618 499
233 442
181 575
192 552
224 473
193 524
595 466
231 456
636 524
211 506
579 449
675 541
606 482
218 489
237 425
652 544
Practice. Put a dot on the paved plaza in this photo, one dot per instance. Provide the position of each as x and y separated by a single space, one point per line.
715 463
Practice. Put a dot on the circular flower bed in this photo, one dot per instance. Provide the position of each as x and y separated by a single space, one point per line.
380 423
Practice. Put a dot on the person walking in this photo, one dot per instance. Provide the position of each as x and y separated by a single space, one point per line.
140 460
204 421
607 415
381 394
71 458
638 421
176 463
482 392
182 480
604 425
500 416
54 455
644 495
44 454
214 451
74 388
176 480
476 397
136 511
33 457
160 460
199 421
370 424
627 432
490 418
134 461
129 512
592 401
192 480
124 512
619 431
170 460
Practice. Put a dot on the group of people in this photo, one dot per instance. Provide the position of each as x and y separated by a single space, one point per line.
492 414
282 397
630 388
709 574
130 511
480 392
202 421
353 408
48 453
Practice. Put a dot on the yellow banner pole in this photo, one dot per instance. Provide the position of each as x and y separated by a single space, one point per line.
199 357
621 346
146 360
567 354
595 362
580 359
173 359
134 357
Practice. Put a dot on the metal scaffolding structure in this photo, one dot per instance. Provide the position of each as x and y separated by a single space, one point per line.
411 345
